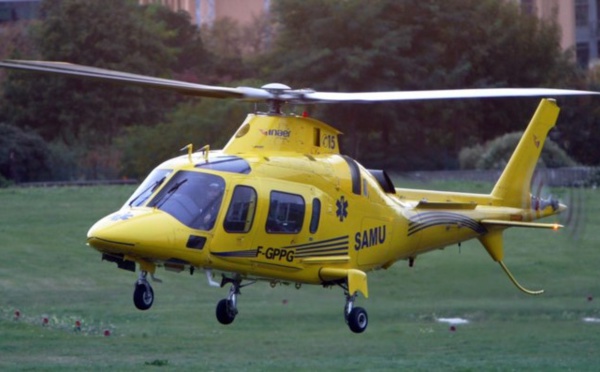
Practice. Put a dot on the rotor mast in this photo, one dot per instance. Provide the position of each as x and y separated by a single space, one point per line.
278 90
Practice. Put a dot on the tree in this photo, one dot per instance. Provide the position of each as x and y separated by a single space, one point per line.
204 122
15 41
410 45
581 120
193 62
113 34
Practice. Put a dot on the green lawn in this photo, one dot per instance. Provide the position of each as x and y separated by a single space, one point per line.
47 271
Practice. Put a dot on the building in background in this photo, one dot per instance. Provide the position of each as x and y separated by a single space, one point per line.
205 12
560 11
579 19
587 31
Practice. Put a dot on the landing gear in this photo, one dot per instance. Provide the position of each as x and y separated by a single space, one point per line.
143 295
356 317
227 307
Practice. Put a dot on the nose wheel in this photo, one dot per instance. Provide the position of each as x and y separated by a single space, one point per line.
143 294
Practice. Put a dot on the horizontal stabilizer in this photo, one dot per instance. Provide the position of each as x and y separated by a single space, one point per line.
535 225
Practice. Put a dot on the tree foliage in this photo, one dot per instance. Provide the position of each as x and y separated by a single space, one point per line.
199 123
111 34
79 115
349 45
578 136
411 45
193 62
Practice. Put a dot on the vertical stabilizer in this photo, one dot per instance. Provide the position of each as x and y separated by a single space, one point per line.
514 186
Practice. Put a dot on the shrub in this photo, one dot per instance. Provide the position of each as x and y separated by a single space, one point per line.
24 156
495 154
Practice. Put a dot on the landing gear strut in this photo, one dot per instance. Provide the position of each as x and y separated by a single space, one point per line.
143 295
227 307
356 317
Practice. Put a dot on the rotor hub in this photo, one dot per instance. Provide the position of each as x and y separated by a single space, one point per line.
277 90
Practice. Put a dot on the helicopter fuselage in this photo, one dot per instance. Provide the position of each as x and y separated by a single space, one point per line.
290 208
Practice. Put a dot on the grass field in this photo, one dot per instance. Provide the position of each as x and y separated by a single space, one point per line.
47 272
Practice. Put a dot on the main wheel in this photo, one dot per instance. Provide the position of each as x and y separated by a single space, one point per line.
358 320
226 312
143 296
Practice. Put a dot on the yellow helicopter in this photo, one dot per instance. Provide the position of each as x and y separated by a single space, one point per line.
279 202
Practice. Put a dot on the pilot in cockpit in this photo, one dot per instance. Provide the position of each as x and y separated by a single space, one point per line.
213 202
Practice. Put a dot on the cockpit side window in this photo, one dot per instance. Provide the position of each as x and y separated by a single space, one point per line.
193 198
286 213
241 210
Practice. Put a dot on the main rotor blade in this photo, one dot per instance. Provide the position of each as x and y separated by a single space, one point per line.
279 94
182 87
416 95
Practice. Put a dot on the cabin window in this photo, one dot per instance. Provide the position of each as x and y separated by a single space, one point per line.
286 213
241 210
316 213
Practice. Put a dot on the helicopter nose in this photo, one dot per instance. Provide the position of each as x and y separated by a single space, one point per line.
129 231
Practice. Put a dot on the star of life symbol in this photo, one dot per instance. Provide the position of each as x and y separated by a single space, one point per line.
342 208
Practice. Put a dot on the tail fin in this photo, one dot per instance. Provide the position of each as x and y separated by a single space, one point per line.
514 186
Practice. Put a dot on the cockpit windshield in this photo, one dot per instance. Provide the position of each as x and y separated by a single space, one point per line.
193 198
147 188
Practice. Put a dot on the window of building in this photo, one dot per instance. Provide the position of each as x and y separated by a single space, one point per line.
581 12
241 210
583 54
528 7
286 213
19 10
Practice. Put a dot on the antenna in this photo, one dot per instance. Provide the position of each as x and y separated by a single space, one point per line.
190 149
